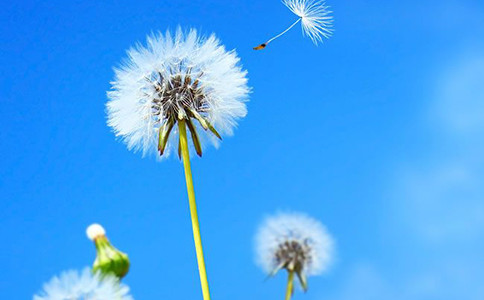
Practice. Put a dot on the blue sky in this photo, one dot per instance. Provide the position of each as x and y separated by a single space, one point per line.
378 133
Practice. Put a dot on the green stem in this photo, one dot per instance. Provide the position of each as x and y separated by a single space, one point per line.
290 285
193 210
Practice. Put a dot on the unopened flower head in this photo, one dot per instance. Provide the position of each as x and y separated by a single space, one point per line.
176 77
294 242
315 17
109 260
83 285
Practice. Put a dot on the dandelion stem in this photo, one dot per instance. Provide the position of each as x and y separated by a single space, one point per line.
193 210
290 285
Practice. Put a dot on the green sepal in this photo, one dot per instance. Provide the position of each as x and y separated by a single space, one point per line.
199 118
302 280
109 260
205 123
195 139
276 269
164 134
212 129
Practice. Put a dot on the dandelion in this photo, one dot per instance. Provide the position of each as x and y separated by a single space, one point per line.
315 17
185 80
294 242
109 260
84 285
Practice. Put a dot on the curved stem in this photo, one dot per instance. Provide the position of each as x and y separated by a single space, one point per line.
293 24
290 285
193 210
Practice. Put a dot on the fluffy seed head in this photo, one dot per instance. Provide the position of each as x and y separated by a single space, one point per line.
94 231
295 242
83 285
316 18
173 78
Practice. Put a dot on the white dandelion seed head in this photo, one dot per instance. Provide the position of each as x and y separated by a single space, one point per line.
84 285
176 75
94 231
293 238
316 18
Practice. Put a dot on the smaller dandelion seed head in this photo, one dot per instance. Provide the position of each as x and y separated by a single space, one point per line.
316 18
295 242
94 231
83 285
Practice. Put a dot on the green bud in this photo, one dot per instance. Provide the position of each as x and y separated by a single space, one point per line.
109 260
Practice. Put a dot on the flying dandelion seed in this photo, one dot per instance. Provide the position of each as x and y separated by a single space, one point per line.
183 80
84 285
315 17
294 242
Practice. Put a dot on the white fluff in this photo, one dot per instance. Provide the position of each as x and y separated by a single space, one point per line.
224 84
94 231
316 18
284 227
75 285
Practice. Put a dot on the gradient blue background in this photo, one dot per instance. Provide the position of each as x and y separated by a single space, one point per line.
378 133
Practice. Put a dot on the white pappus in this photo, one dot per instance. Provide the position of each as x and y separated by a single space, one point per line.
176 77
84 285
295 242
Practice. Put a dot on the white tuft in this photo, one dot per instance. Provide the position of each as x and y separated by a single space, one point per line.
224 83
284 227
83 285
94 231
316 18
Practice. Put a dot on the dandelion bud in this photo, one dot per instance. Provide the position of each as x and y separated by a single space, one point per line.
109 260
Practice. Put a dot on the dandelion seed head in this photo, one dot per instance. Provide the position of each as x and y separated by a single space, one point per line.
84 285
94 231
175 77
295 242
316 18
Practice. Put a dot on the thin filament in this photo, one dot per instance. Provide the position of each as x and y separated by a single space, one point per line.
280 34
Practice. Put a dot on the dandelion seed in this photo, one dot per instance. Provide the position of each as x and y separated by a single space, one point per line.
294 242
176 78
315 17
84 285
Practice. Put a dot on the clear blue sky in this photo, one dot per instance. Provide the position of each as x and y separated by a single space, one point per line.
378 133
